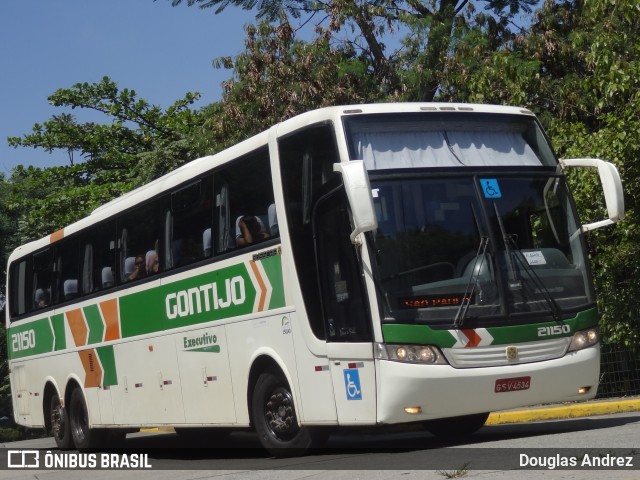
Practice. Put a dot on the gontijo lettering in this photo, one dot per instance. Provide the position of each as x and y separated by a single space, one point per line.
205 298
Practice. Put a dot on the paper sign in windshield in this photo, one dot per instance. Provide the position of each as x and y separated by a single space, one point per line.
535 258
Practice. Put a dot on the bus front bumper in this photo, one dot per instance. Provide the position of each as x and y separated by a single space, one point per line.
438 391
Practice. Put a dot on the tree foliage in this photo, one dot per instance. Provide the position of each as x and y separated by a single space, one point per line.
136 143
414 69
297 75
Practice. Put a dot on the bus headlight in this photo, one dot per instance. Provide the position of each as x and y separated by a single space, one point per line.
426 354
584 339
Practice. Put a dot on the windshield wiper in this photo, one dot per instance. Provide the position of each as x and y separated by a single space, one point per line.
515 283
461 314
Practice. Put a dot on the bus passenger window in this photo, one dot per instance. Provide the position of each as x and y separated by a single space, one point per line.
243 202
140 231
98 246
42 279
67 267
18 288
188 224
274 230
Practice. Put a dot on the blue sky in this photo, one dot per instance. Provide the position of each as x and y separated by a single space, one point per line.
158 50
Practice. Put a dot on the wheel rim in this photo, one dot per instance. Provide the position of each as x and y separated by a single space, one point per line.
280 414
57 421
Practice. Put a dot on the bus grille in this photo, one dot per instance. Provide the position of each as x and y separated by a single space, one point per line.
496 355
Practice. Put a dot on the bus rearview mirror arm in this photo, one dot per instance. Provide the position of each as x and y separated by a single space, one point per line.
356 183
611 185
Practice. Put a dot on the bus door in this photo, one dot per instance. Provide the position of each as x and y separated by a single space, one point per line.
345 311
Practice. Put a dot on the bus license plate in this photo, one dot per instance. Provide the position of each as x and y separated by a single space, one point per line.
512 384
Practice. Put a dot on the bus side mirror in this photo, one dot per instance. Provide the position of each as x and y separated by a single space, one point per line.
356 183
611 184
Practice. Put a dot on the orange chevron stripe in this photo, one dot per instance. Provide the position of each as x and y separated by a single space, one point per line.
263 287
109 311
474 338
92 369
55 236
78 327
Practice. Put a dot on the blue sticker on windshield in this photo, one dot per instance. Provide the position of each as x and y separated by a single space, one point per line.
490 188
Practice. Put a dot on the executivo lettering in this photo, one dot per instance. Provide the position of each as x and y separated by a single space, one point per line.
205 298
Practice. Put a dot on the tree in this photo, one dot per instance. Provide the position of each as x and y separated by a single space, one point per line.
414 70
134 126
138 142
277 77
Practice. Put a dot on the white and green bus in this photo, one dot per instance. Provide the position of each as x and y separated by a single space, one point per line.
362 266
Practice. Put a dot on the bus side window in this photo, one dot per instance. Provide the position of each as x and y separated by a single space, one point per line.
139 232
67 262
187 224
98 248
343 294
18 289
243 195
307 159
42 279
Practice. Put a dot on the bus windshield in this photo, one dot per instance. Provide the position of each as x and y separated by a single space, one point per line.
447 139
452 249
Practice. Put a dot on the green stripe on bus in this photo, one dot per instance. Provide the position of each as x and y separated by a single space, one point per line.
224 293
273 268
530 333
425 335
95 324
33 338
108 361
57 324
417 334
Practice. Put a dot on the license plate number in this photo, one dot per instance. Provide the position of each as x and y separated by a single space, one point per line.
512 384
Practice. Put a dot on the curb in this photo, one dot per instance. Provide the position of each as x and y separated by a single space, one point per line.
158 429
564 412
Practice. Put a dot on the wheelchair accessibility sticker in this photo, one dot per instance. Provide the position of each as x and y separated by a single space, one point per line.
490 188
352 384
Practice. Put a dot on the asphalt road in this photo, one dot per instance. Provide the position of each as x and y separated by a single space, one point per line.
491 453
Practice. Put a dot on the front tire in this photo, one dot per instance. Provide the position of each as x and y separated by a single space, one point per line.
456 427
275 418
85 438
60 427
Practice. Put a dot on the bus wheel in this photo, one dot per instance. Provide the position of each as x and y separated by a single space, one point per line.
456 427
275 419
60 427
85 438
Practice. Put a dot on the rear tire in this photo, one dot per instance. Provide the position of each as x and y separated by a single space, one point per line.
85 438
453 428
60 427
275 419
